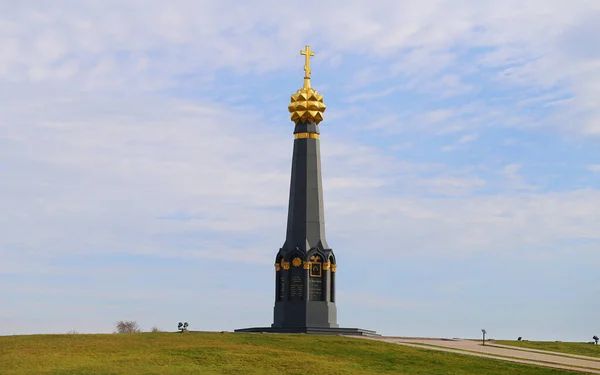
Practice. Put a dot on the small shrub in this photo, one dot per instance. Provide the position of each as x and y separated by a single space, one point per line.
127 326
182 327
156 329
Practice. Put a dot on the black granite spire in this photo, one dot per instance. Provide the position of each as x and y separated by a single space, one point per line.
305 265
306 222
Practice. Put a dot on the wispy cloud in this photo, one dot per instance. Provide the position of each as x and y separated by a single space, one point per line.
594 167
369 95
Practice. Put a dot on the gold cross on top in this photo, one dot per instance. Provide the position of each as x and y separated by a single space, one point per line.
308 53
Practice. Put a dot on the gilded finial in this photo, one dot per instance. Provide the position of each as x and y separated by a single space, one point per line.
306 104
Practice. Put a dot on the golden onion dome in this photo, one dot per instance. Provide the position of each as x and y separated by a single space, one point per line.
306 104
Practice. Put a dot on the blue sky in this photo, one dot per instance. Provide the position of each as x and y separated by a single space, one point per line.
145 154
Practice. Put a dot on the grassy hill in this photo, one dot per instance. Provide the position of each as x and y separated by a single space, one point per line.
578 348
228 353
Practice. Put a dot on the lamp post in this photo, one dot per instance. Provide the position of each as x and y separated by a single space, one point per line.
484 332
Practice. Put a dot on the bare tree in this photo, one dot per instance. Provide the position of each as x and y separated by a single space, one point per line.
127 326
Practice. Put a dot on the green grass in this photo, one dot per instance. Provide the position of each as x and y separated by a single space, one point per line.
216 353
578 348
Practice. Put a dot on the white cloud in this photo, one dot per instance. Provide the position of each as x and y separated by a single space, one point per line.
112 173
366 96
514 179
151 140
145 46
467 138
512 226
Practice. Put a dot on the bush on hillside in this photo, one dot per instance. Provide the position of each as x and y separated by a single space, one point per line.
127 326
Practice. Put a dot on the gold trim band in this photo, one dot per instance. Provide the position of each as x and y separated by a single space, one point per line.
306 135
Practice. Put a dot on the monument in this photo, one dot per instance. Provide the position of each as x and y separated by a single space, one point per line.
305 266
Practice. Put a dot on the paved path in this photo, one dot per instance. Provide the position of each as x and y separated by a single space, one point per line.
545 352
502 352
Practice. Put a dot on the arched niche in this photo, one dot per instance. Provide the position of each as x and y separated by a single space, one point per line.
317 275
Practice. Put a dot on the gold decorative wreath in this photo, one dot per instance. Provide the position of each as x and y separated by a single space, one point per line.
297 262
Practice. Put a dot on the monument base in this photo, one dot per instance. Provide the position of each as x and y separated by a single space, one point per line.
310 330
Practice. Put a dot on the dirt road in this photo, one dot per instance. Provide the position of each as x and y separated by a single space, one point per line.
564 361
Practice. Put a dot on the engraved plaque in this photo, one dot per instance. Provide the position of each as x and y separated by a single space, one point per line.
296 283
316 288
281 288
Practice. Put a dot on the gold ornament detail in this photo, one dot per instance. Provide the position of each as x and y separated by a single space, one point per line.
306 265
306 135
277 267
285 265
326 265
306 104
333 267
297 262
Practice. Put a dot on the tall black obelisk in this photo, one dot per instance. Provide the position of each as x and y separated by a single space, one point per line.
305 266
